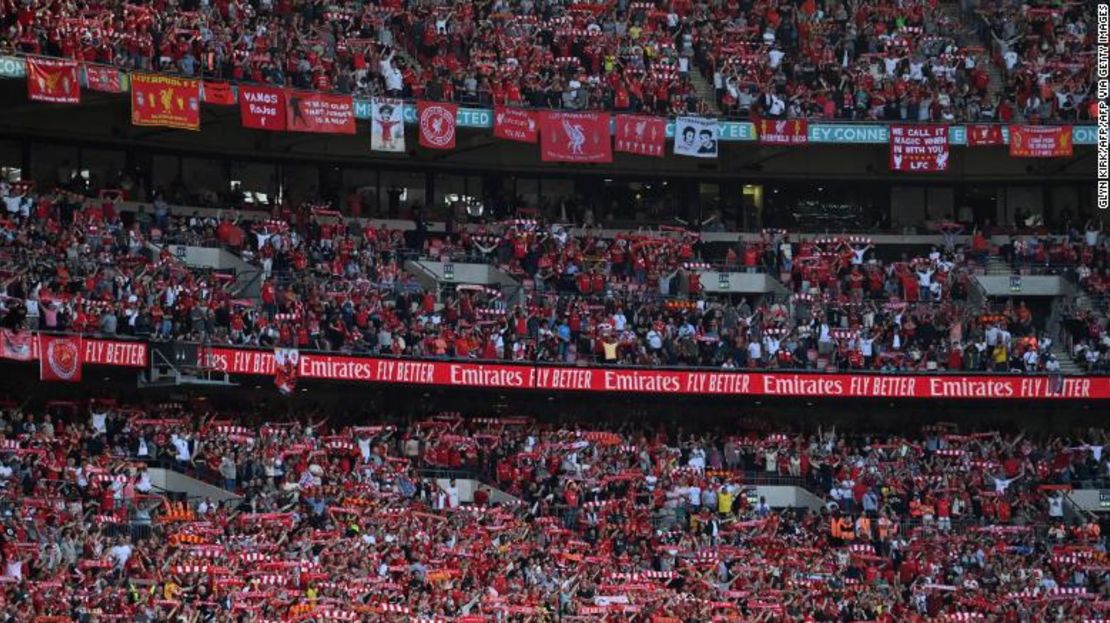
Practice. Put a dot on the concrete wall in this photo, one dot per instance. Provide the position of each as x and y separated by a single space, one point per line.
740 283
481 274
1090 500
180 483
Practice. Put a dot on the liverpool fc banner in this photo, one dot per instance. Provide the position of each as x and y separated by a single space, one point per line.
165 101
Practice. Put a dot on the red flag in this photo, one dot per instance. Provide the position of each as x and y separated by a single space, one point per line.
642 135
61 358
165 101
101 78
262 108
437 124
1038 141
919 148
575 137
514 124
984 135
319 112
17 345
286 361
783 131
53 81
218 93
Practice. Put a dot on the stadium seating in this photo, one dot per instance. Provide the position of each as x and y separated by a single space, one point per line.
350 523
877 60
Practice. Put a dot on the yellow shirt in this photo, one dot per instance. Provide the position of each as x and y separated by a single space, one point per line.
724 502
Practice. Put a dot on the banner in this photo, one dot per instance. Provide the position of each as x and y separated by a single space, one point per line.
262 108
641 135
387 128
53 81
320 113
437 124
165 101
17 345
623 380
919 148
783 131
1039 141
218 93
286 361
695 137
514 124
104 79
575 137
61 358
984 135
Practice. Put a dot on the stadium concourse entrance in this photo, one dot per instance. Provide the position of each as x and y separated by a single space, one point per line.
257 398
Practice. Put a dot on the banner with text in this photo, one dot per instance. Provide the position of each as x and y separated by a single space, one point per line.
61 358
104 79
695 137
53 81
319 113
218 93
783 131
554 378
575 137
514 124
165 101
387 125
262 108
1039 141
919 148
984 135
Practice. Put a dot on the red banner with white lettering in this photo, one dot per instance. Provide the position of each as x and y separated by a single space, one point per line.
575 137
919 148
1039 141
514 124
641 135
560 378
783 131
53 81
104 79
61 358
262 108
984 135
319 112
437 124
165 101
218 93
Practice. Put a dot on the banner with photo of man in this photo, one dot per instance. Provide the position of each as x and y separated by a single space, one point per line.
387 125
695 137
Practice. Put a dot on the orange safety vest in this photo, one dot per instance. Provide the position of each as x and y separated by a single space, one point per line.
863 527
846 531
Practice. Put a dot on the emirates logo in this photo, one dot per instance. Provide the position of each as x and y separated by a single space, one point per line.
62 357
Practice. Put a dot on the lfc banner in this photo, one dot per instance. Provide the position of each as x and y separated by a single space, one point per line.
101 78
165 101
984 135
641 135
695 137
286 361
262 108
514 124
387 128
919 148
319 112
61 358
783 131
575 137
218 93
1038 141
53 81
437 124
17 345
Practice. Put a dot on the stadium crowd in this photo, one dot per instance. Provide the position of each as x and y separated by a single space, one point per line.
833 60
330 284
631 523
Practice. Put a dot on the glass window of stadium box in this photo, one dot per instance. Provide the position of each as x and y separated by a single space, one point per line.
256 183
360 192
827 206
54 165
400 191
457 197
101 168
205 179
912 208
11 161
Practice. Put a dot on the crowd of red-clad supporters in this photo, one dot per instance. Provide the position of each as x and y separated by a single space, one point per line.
907 60
633 523
73 264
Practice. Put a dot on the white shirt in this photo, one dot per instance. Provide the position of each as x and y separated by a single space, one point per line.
120 554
